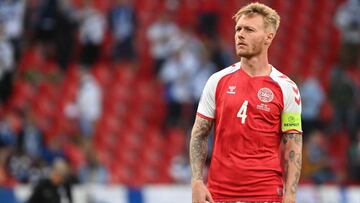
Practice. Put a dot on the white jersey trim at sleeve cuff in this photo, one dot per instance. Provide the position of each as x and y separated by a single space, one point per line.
204 117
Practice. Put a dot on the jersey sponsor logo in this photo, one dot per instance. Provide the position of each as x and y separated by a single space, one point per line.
265 95
291 125
231 89
291 121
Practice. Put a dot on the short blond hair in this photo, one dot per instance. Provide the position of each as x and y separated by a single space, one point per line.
270 16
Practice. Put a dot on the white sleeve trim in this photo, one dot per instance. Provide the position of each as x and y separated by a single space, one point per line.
207 104
291 93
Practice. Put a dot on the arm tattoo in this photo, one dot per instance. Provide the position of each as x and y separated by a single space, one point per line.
293 136
292 161
198 146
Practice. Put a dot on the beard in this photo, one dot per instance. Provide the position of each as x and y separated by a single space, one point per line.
250 52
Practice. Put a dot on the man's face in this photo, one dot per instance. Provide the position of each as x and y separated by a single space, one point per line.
251 37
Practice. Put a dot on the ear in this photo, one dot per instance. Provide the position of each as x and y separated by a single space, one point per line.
269 37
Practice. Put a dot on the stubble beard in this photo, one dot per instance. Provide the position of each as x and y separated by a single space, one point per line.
254 51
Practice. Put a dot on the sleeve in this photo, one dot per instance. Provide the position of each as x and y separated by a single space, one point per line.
291 114
206 108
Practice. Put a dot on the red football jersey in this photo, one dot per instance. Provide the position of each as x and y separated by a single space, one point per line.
250 113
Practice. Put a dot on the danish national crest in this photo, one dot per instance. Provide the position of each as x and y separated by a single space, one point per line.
265 95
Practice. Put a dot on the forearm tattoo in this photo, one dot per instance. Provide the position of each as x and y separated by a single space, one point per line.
198 146
292 163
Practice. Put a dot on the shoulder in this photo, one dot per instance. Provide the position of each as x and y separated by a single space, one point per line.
288 87
282 79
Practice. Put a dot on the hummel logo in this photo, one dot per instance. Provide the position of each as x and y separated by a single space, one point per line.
231 90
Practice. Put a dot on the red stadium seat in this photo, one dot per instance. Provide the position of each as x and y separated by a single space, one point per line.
31 60
102 74
75 155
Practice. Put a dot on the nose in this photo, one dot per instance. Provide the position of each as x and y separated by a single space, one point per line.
240 34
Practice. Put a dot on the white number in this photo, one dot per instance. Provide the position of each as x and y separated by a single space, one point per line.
242 112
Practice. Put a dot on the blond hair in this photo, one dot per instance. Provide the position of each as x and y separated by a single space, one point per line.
270 16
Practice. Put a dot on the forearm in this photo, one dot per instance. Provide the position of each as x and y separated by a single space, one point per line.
199 147
292 163
198 153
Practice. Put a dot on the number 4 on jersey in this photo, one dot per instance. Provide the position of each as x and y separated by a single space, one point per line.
242 112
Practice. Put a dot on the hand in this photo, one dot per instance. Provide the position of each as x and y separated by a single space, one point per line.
288 199
200 194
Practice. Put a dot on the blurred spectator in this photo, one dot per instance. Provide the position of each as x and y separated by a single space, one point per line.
191 43
7 134
354 159
206 69
312 98
92 30
54 149
88 105
19 165
45 25
161 34
177 73
65 33
348 21
123 23
316 160
93 171
55 188
343 98
219 53
30 139
6 66
5 178
209 18
12 14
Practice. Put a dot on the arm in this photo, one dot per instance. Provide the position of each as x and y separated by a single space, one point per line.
292 164
198 153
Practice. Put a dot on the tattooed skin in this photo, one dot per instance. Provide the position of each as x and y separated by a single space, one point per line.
199 146
292 163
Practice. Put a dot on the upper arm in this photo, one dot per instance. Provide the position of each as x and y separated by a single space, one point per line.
291 114
292 139
202 127
206 106
292 153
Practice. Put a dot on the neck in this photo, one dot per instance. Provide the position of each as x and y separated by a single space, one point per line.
256 66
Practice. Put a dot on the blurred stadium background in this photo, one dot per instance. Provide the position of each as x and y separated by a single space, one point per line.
111 87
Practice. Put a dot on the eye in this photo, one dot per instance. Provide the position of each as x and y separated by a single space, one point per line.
249 29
